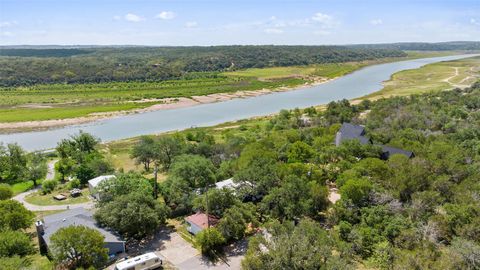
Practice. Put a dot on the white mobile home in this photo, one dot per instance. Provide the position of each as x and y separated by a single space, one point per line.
142 262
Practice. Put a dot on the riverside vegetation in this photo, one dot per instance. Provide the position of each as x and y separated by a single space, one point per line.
398 213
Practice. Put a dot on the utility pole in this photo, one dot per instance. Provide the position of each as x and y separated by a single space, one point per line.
155 176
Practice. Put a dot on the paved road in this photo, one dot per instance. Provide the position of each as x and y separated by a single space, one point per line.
32 207
180 254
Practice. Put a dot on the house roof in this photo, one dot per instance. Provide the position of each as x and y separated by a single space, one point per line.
200 219
389 151
97 180
75 217
352 132
227 184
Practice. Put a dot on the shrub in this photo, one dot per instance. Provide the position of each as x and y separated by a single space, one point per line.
49 185
6 192
14 243
75 183
210 240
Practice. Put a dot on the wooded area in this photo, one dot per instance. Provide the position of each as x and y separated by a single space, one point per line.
20 67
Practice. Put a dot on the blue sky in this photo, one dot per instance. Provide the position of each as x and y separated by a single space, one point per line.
215 22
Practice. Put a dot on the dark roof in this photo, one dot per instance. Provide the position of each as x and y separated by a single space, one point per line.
388 151
77 216
351 132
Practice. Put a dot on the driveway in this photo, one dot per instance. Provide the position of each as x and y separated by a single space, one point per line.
180 254
183 256
32 207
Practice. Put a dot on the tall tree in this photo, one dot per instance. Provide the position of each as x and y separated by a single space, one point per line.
37 167
78 246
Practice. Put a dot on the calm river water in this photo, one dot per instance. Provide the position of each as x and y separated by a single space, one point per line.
357 84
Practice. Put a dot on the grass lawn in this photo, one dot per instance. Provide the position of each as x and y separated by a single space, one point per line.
38 199
22 187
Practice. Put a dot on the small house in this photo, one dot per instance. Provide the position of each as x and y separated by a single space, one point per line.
75 217
93 183
199 221
351 132
355 132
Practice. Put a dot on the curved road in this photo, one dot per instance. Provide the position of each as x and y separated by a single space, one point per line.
32 207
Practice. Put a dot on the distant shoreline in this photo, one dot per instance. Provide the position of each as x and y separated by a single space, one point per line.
163 104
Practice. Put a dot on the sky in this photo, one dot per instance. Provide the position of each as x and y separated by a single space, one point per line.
228 22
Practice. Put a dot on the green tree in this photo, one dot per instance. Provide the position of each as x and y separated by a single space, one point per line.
144 152
196 170
6 192
14 216
124 184
356 190
210 241
49 185
299 152
305 246
78 246
235 221
36 167
134 215
15 243
219 200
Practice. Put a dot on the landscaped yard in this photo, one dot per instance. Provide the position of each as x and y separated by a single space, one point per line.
38 198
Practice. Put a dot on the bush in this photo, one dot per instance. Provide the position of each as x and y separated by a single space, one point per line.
6 192
75 183
14 243
49 185
210 240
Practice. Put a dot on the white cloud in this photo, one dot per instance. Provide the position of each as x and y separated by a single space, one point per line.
166 15
133 18
474 22
273 31
376 22
8 23
323 21
191 24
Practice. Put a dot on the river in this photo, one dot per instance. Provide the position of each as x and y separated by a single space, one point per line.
359 83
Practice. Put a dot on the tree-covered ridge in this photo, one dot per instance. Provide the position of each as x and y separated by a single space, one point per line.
90 65
424 46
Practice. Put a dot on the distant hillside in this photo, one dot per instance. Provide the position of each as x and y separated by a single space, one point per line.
49 64
423 46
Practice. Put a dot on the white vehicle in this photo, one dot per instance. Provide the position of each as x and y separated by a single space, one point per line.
146 261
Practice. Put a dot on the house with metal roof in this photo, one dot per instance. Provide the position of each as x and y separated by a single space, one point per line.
351 132
74 217
356 132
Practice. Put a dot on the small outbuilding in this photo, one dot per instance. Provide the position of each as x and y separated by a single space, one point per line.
93 183
198 222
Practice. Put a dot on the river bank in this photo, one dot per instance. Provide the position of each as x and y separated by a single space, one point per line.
161 104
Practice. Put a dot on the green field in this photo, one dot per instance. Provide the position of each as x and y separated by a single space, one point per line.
38 198
433 77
